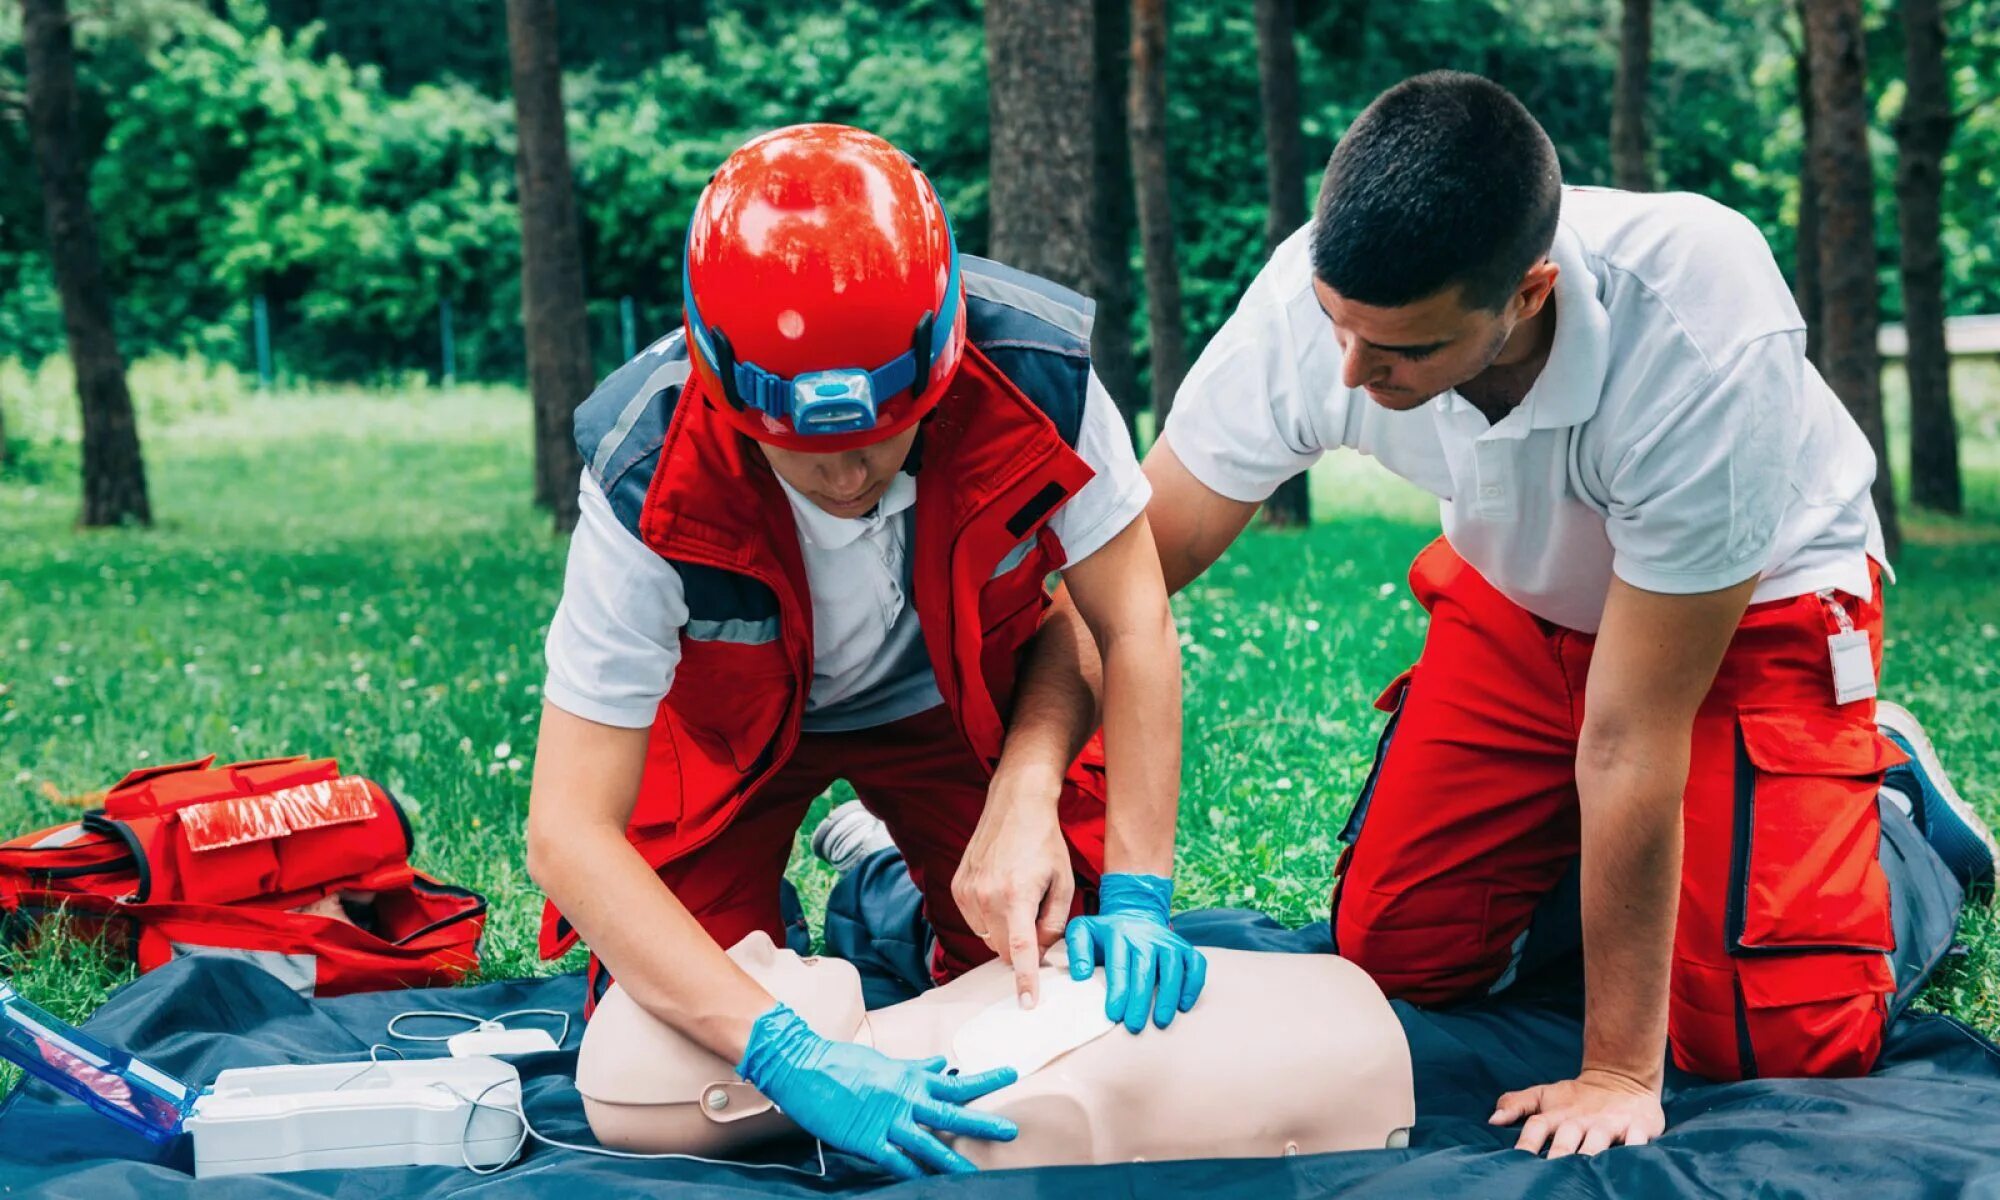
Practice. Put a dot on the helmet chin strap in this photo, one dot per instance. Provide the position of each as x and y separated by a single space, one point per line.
914 460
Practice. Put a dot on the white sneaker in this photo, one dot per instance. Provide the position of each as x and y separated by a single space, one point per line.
849 834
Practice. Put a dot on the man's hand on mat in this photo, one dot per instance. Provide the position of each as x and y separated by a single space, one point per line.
1593 1112
857 1099
1014 884
1142 956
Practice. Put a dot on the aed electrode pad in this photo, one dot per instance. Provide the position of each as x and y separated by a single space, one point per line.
1003 1034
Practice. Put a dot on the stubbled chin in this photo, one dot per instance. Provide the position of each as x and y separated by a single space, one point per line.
1399 401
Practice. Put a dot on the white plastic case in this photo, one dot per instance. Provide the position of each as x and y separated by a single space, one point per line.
417 1112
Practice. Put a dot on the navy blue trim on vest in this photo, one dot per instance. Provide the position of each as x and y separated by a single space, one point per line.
619 429
1037 332
725 606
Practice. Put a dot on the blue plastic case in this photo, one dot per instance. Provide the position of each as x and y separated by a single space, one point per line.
133 1093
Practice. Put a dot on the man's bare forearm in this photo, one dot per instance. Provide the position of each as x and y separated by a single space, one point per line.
1055 705
1630 881
1142 746
586 780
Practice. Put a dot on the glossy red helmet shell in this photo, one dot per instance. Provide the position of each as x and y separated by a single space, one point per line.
822 247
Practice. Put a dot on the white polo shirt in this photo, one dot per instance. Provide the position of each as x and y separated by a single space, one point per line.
1677 436
615 641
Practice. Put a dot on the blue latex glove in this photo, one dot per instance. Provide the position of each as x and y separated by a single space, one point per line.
857 1099
1141 955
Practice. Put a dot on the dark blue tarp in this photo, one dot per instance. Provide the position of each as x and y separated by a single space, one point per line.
1926 1123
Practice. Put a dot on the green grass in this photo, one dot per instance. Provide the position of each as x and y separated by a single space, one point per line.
360 574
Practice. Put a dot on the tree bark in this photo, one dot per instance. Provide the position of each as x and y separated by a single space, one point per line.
1284 185
1040 61
114 472
1805 277
1156 210
1631 145
1111 216
1923 132
560 373
1847 229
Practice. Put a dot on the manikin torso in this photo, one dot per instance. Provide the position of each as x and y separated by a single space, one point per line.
1284 1054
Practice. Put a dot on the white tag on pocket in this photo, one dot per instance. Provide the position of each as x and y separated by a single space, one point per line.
1853 666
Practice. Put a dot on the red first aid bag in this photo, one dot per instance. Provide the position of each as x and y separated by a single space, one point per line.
285 862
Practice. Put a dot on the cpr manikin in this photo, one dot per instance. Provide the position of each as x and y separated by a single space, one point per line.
1284 1054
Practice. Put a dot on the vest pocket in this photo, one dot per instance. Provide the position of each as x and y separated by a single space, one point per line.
1805 872
1020 581
730 699
1010 611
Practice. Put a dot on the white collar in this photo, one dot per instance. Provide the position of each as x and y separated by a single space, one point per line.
1572 380
828 532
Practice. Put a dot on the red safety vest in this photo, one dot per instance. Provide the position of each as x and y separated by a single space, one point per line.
994 469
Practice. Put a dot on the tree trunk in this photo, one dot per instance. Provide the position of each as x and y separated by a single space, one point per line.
1631 146
114 472
1805 283
1284 185
1847 229
1156 210
1040 62
552 302
1112 217
1923 131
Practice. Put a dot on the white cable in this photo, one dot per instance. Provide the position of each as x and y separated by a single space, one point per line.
482 1024
520 1114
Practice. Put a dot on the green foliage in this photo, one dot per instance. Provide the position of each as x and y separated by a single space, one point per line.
354 163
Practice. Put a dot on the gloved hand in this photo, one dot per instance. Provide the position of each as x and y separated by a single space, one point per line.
1129 935
859 1100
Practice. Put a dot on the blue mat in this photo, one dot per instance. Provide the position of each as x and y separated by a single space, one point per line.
1927 1123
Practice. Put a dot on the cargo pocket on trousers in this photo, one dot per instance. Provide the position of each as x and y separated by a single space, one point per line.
1805 869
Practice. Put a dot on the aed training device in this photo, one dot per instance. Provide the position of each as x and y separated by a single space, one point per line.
447 1112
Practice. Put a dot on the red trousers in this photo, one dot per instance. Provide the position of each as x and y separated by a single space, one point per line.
916 774
1780 962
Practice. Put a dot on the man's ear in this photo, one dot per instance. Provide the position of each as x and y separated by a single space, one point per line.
1536 288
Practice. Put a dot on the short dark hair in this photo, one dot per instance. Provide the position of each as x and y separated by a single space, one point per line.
1445 179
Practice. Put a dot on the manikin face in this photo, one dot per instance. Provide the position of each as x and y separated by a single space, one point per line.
1406 355
846 483
812 982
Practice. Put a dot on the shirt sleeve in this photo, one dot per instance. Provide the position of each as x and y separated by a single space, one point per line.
1116 495
1697 497
1264 400
615 640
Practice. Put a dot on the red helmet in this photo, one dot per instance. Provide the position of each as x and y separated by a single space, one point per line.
821 290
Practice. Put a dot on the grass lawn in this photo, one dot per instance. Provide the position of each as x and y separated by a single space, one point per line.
360 574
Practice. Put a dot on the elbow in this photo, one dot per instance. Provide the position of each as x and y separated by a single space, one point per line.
1602 750
544 857
1620 764
1149 636
538 856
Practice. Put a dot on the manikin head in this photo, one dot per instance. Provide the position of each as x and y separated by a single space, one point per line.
1430 242
823 309
662 1086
